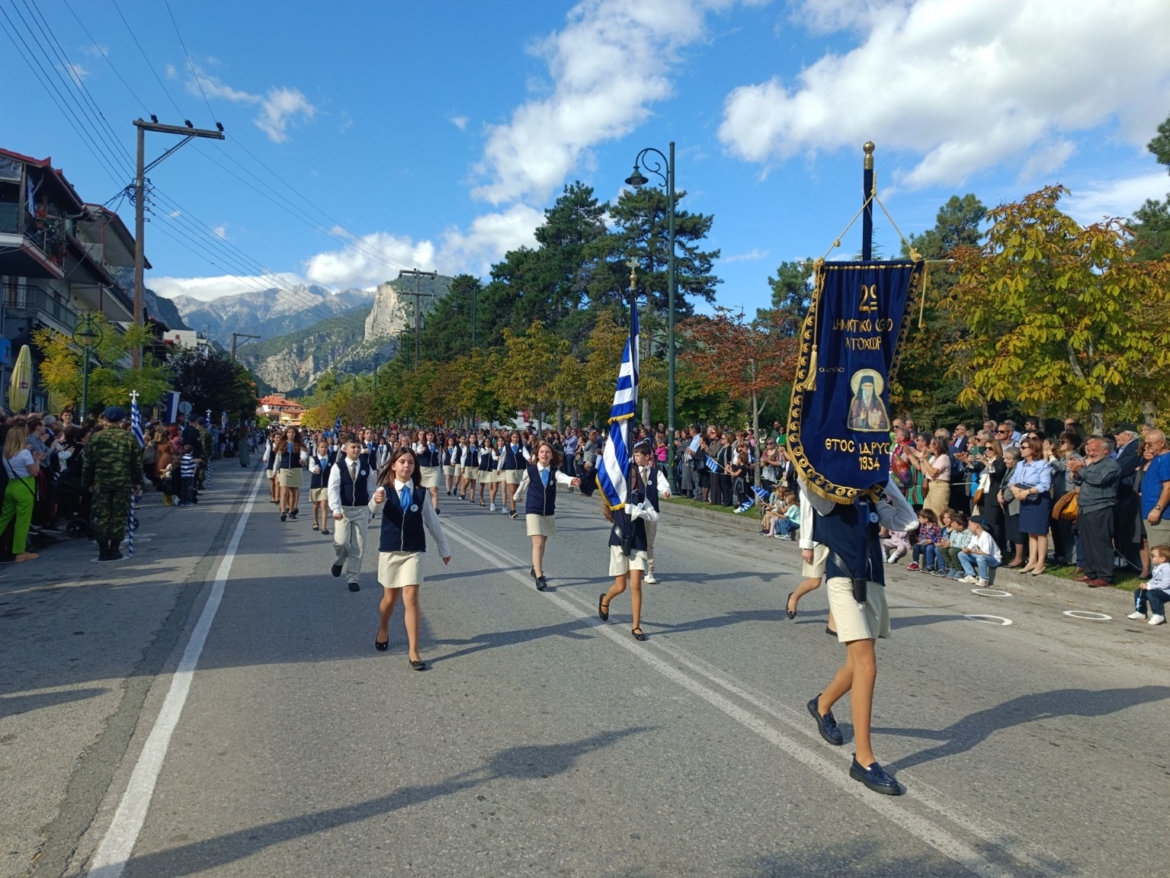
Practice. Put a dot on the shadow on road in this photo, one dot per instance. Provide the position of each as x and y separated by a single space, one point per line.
12 705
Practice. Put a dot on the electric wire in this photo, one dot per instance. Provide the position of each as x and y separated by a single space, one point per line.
190 63
142 51
106 55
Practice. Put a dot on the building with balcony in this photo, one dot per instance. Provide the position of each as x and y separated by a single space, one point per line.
278 408
59 258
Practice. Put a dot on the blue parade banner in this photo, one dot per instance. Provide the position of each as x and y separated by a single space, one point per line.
839 421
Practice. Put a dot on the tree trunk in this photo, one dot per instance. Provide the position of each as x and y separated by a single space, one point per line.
1148 412
560 417
645 411
1097 411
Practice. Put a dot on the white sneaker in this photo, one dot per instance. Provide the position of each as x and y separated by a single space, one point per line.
969 580
1157 620
892 558
981 583
651 579
1136 615
493 507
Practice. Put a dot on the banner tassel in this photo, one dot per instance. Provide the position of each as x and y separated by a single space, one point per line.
810 382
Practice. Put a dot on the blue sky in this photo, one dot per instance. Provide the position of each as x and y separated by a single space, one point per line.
431 135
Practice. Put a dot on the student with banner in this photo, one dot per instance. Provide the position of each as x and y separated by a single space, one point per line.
838 436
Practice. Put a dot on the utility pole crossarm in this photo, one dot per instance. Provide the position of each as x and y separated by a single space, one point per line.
418 297
237 335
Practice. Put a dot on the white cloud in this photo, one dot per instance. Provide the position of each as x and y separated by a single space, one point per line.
1119 197
171 71
75 72
751 256
965 84
208 288
369 260
220 232
608 65
279 108
96 50
459 122
489 238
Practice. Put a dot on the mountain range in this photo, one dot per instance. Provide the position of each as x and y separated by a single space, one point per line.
268 313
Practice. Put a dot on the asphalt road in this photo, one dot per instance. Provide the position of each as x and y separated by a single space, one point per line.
543 742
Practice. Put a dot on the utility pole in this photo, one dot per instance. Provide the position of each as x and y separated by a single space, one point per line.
418 297
236 335
188 133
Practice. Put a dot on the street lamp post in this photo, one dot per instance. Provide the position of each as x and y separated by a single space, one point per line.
87 335
649 158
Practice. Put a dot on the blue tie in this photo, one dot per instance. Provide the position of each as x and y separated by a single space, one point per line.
544 477
404 499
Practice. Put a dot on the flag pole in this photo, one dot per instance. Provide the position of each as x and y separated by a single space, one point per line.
628 533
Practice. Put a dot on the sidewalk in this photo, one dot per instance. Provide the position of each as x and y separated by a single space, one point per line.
80 645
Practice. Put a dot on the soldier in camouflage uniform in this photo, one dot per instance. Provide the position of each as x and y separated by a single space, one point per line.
111 467
208 447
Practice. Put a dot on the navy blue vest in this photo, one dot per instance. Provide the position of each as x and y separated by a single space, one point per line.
849 535
514 459
290 459
451 456
430 458
321 479
472 457
402 531
486 463
651 487
354 493
621 521
541 500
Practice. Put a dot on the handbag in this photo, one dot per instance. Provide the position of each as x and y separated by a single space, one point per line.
1065 509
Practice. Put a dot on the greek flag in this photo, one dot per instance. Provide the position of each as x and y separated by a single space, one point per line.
136 420
170 407
615 461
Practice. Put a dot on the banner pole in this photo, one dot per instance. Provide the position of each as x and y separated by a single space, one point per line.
867 202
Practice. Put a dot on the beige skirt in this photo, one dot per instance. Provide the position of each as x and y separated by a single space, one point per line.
448 470
513 476
289 478
816 569
620 565
457 471
318 495
430 476
399 569
938 498
494 477
855 621
540 525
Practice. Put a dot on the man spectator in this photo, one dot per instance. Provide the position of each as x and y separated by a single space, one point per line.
1004 433
1156 489
1127 517
1016 435
570 458
1031 425
1097 477
961 441
911 426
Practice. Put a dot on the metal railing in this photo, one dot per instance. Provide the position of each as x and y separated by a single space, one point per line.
26 300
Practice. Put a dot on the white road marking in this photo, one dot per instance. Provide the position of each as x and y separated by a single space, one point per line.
118 844
922 828
1088 615
990 620
991 593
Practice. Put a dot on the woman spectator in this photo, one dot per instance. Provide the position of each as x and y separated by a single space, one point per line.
1011 508
935 464
1031 483
1068 444
21 465
723 457
164 458
770 466
991 469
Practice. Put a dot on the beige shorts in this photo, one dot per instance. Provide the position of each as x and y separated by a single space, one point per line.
1157 534
497 477
399 569
513 476
272 474
620 565
318 495
289 478
855 621
449 470
816 569
540 525
430 476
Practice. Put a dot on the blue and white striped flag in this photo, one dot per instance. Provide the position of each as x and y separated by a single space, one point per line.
760 493
713 465
615 460
136 429
136 420
747 504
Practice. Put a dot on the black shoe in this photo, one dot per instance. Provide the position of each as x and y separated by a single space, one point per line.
381 645
284 516
532 572
541 583
335 570
103 551
293 514
513 515
826 724
437 512
420 665
637 632
602 609
830 631
353 586
324 532
791 614
876 778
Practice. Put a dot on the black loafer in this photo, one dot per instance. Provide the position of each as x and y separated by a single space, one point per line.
602 609
532 572
420 665
541 583
381 645
335 570
791 614
284 516
638 633
876 778
826 724
830 631
353 586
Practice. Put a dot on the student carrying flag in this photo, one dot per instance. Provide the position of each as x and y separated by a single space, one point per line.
625 505
135 492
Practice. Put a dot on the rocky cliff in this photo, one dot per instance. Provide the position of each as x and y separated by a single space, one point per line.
394 302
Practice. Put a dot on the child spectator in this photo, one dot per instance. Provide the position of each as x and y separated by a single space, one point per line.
981 554
958 538
788 526
929 536
188 467
895 544
773 510
1157 591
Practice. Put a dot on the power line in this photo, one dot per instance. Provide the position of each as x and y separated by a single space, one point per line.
190 63
154 72
105 55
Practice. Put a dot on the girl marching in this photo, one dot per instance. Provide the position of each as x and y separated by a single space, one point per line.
628 521
487 470
470 470
319 463
430 460
402 543
450 453
538 488
512 463
291 457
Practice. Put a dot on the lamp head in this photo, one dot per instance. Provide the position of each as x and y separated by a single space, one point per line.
86 336
637 179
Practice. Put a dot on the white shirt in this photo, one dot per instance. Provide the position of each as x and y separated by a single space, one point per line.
897 514
522 488
430 519
21 465
661 482
985 543
335 482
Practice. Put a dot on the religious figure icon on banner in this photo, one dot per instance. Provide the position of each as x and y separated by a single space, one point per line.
867 413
